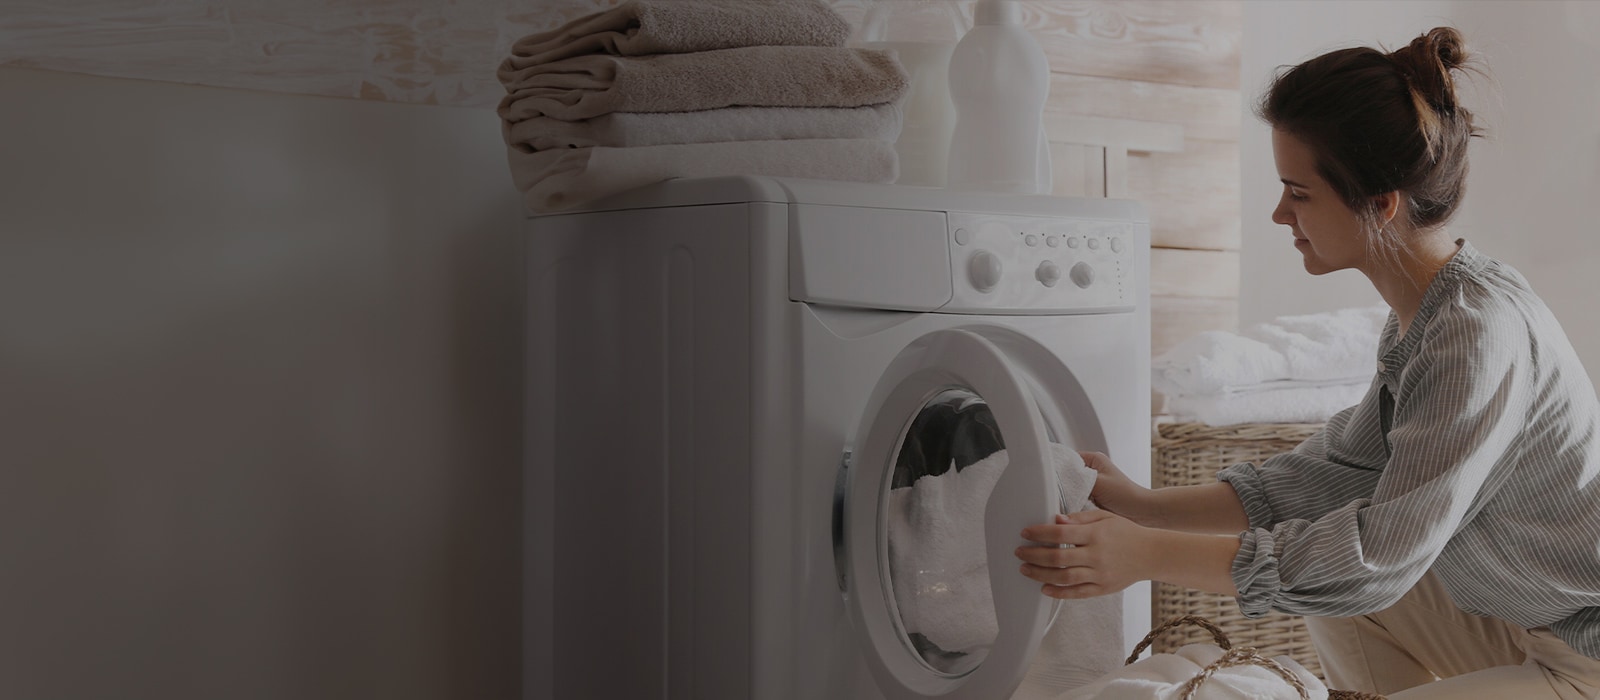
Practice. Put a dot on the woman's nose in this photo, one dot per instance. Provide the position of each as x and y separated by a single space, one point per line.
1281 214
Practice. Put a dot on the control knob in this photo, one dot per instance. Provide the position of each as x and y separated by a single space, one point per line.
1082 275
1048 273
984 269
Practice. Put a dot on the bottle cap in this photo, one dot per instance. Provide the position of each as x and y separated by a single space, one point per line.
992 12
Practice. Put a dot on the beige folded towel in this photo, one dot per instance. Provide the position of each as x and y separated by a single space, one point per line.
561 179
755 76
623 129
646 27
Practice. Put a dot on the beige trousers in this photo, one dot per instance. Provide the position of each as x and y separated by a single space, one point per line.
1400 652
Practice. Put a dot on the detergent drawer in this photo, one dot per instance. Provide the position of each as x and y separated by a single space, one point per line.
895 259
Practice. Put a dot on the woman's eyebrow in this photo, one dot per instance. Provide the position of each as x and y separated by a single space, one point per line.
1292 183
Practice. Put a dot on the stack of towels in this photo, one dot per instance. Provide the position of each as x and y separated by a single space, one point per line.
656 89
1293 369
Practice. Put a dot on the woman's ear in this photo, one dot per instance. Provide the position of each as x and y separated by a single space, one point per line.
1388 206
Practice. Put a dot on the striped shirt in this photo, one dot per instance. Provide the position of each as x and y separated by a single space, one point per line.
1474 453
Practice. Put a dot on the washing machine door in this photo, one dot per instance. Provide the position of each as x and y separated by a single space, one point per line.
948 466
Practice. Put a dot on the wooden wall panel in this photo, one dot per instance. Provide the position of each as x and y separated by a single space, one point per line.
1174 318
1193 196
1161 41
1207 114
402 51
1210 274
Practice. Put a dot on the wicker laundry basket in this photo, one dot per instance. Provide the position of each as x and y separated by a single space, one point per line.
1183 454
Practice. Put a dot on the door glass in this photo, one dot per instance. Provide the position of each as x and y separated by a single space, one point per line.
944 471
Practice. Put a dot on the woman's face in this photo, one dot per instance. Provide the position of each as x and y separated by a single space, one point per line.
1327 233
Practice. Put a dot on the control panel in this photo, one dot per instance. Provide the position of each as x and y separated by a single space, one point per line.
1041 265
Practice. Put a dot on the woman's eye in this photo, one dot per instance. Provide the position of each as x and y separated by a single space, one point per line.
1297 196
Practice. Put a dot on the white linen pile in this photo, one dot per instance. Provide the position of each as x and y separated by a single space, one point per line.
941 580
655 89
1163 676
1293 369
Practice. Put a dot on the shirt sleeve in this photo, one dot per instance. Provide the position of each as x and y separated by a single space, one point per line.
1461 404
1306 482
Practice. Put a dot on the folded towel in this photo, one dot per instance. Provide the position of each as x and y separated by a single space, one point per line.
679 26
1288 405
938 555
626 129
561 179
1162 677
1333 346
756 76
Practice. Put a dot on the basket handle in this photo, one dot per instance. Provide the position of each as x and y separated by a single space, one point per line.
1216 634
1243 657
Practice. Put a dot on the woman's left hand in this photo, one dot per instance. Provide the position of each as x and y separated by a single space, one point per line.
1109 553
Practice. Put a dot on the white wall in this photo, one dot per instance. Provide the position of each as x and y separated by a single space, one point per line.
1534 180
259 413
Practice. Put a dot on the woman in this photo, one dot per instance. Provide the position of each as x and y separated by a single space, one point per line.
1447 526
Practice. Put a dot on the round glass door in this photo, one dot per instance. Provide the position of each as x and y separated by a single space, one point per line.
930 497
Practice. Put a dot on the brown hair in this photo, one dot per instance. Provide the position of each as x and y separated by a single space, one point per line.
1381 122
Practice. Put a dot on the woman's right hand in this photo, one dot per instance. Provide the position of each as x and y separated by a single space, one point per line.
1115 492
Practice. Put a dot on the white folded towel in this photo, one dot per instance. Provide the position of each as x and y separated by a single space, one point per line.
939 558
1286 403
627 129
561 179
1162 677
1334 346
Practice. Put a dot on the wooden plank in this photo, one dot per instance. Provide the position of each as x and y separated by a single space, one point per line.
1181 42
1193 196
405 51
1067 170
1116 173
1207 114
1174 319
1077 170
1194 273
1094 171
1163 42
1130 134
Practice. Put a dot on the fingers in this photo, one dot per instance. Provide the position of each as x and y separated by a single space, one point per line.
1098 461
1078 592
1055 557
1071 576
1068 529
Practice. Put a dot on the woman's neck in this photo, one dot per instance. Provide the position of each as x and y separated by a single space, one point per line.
1403 282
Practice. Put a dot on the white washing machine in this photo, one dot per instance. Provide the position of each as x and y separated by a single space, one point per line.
732 383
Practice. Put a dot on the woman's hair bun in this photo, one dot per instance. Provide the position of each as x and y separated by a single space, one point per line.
1445 43
1426 64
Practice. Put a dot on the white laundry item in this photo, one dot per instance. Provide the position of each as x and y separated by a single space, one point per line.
1333 346
561 179
938 556
625 129
1293 404
1084 643
1162 677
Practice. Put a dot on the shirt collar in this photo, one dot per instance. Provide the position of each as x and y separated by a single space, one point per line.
1395 353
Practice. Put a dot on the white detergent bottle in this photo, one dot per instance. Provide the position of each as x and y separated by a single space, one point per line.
999 81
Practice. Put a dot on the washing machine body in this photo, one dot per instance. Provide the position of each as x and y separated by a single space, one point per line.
734 384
